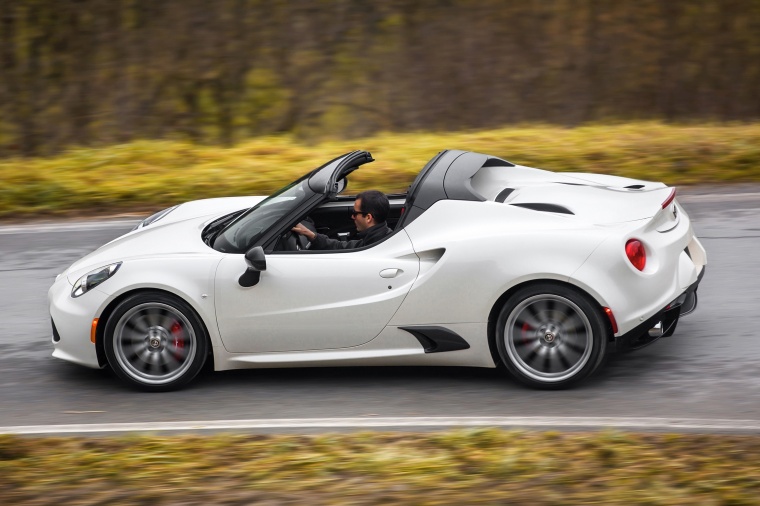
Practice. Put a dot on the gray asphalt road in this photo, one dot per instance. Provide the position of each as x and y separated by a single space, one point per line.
710 369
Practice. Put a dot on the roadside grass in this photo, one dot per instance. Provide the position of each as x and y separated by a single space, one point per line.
151 175
491 466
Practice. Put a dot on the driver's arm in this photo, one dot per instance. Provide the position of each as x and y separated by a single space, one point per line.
321 241
304 231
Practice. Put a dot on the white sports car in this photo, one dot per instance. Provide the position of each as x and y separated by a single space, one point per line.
489 264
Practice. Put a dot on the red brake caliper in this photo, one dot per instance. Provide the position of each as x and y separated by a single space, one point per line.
179 343
525 328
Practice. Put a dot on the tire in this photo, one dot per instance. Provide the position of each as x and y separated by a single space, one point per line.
155 342
551 336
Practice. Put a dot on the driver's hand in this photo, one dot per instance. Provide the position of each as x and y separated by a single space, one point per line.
301 229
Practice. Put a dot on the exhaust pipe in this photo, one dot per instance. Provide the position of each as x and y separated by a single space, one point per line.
657 330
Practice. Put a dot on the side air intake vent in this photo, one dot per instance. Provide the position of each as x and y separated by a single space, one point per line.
56 335
437 339
635 187
497 162
549 208
503 194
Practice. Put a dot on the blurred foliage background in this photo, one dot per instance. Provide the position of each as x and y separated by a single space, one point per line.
149 175
103 72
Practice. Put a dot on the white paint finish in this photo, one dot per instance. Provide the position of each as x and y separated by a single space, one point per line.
187 276
633 295
697 251
209 207
393 347
596 204
313 300
153 242
611 180
489 248
73 320
452 263
535 422
477 355
331 358
594 198
390 273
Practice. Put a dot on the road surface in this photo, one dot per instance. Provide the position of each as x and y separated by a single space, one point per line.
705 376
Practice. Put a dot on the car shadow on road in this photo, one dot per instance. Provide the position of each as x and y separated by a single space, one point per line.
620 369
359 376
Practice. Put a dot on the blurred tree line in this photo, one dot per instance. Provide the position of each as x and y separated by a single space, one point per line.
90 72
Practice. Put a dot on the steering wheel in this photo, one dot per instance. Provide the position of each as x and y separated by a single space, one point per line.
293 241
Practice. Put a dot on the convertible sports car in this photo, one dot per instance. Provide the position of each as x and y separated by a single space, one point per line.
489 264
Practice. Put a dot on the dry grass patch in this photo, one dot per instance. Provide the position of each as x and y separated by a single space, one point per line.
455 467
151 175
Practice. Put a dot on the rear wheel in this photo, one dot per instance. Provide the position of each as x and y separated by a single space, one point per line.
155 341
551 336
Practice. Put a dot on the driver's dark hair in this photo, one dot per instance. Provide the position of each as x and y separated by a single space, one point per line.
376 204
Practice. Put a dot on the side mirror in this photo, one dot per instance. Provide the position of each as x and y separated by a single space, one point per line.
257 262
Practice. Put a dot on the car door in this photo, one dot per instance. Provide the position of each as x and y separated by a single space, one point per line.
314 300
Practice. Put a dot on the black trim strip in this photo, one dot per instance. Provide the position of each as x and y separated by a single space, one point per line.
497 162
437 339
56 335
549 208
503 194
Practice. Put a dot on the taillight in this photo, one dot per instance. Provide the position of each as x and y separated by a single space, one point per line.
670 198
634 250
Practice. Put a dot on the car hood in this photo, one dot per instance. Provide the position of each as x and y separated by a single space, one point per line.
177 233
211 208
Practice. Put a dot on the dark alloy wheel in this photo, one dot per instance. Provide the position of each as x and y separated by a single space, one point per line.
155 341
551 336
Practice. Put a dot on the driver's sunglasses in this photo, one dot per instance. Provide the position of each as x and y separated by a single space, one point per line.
354 213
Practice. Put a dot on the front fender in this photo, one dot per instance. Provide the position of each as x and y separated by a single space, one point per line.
190 277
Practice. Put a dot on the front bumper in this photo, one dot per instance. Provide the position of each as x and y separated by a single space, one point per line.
661 324
72 322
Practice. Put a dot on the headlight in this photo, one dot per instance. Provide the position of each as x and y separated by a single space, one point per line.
93 279
154 217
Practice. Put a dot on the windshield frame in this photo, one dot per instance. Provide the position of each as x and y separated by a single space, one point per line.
318 185
225 240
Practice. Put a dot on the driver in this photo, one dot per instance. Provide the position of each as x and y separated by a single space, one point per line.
369 215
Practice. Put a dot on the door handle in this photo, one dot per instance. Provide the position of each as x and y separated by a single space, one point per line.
390 273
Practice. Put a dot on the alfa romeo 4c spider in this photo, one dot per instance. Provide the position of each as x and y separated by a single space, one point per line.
489 264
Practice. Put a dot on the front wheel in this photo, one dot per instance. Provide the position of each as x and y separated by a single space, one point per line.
551 336
155 342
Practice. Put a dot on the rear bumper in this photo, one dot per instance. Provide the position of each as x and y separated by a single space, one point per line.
661 324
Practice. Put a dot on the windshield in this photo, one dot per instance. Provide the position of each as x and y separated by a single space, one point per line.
246 230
